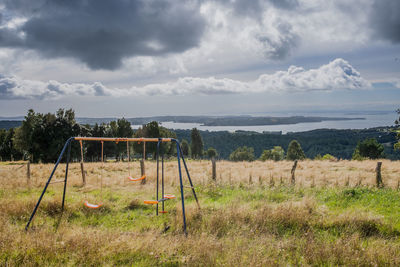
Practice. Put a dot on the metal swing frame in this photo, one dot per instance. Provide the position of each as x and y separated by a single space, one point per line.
67 147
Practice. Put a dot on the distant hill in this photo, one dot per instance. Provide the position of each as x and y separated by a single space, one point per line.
8 124
220 120
340 143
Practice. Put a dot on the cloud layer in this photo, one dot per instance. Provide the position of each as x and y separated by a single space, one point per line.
101 33
385 20
336 75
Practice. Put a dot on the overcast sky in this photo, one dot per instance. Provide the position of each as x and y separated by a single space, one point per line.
140 58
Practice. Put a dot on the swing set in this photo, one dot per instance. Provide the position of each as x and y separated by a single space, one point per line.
158 199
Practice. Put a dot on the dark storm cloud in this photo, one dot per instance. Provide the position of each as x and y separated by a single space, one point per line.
103 32
280 47
385 20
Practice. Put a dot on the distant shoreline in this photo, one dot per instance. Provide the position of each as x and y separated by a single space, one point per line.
222 120
6 123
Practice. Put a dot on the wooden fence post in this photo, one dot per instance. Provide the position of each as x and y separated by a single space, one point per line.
142 171
28 171
379 182
83 174
214 169
293 180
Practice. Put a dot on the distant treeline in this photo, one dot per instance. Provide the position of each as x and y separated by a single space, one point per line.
40 138
339 143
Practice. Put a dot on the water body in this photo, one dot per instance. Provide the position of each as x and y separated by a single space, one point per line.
372 119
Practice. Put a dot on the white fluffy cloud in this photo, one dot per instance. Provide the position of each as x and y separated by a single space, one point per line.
336 75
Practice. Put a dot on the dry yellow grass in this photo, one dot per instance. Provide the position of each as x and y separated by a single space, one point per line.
249 216
309 173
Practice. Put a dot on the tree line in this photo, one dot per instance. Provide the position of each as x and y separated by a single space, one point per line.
41 137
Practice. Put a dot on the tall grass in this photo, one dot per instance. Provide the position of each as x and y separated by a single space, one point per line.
328 218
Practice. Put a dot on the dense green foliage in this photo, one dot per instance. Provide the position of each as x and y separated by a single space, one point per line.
295 151
277 153
211 153
338 143
41 137
7 146
369 148
185 148
242 154
196 143
154 130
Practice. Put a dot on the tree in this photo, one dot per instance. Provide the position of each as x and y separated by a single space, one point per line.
369 148
153 130
242 154
211 152
42 136
185 148
294 151
120 128
7 146
196 144
277 153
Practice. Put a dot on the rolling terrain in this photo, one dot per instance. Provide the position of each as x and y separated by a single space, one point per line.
251 215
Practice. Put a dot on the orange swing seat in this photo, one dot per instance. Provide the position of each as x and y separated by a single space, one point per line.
136 179
92 206
166 197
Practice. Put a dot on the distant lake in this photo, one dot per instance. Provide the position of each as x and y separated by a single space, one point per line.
371 120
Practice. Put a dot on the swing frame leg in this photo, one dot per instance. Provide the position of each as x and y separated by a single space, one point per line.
48 182
66 176
157 157
188 175
181 186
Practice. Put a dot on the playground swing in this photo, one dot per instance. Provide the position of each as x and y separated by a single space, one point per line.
129 169
164 197
66 151
86 202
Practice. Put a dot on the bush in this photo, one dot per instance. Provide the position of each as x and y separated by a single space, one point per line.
276 154
242 154
369 148
211 153
329 157
295 151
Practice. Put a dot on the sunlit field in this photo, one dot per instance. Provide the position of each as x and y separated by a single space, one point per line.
251 214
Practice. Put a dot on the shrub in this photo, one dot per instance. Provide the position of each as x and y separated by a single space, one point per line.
242 154
369 148
277 153
295 151
329 157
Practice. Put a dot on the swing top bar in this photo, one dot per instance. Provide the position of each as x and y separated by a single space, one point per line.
111 139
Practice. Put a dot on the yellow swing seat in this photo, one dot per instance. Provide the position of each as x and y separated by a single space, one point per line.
92 206
136 179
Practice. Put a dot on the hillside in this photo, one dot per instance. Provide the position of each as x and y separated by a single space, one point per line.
340 143
251 215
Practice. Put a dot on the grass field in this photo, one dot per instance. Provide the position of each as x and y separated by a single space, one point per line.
250 215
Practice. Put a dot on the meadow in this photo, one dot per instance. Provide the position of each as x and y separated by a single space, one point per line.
250 215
